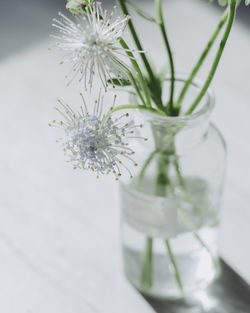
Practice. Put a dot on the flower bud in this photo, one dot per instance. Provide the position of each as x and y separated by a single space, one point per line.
76 6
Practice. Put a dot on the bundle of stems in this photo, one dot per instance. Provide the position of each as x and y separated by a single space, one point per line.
149 86
149 90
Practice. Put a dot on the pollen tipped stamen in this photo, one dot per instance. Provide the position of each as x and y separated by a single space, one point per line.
93 44
96 141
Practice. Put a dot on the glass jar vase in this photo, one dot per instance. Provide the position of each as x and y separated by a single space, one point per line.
169 210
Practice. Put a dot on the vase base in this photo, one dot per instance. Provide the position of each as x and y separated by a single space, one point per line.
196 268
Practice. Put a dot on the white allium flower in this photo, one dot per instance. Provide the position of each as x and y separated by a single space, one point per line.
92 44
97 141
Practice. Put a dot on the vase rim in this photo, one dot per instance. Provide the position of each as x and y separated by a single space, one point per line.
205 110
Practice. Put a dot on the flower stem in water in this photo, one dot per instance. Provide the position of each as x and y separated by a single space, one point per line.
173 265
163 182
147 266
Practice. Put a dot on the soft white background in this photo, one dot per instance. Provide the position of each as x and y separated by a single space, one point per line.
59 240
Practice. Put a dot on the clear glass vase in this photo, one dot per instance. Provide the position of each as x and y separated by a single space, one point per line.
169 210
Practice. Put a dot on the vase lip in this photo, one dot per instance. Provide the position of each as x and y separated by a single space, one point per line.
204 111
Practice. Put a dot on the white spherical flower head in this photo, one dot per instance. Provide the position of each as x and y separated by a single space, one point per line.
97 141
92 43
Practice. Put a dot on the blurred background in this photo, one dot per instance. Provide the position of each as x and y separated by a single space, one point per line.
27 21
23 24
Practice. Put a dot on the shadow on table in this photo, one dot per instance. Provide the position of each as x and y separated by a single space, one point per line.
228 294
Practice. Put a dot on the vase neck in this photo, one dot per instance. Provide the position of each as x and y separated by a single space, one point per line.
179 136
183 132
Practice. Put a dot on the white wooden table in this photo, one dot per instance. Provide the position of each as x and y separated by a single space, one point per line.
59 239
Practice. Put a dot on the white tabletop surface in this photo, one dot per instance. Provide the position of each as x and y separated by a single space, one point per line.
59 238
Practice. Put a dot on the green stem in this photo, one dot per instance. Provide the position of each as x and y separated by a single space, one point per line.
174 267
137 89
170 56
137 106
147 267
192 227
162 179
138 71
202 58
133 81
183 186
155 86
162 182
232 9
184 214
179 175
145 166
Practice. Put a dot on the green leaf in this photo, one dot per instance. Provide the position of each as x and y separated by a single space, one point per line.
142 13
119 82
